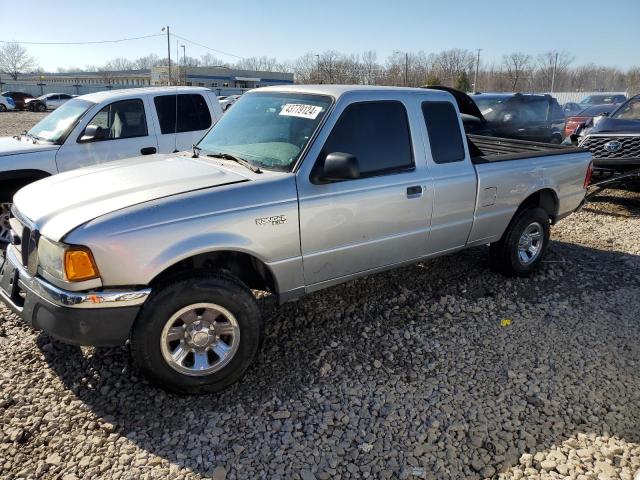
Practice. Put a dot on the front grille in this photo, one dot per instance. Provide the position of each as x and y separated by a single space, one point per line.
628 146
25 238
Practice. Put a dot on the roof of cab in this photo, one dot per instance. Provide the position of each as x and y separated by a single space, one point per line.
339 90
128 92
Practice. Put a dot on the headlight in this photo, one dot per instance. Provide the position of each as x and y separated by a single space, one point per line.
71 263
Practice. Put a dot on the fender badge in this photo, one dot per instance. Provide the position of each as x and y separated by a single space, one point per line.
273 220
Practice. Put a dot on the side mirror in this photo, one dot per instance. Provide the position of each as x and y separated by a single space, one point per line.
339 166
93 133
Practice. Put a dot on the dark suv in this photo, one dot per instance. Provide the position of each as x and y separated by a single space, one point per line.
18 98
522 116
613 139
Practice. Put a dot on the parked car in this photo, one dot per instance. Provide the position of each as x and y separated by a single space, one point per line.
19 98
102 127
532 117
289 192
572 108
519 116
49 101
613 139
6 103
226 102
615 99
572 122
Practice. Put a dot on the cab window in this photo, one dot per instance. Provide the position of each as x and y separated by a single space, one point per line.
123 119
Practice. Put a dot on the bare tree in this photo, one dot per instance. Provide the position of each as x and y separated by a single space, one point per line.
146 62
370 68
547 64
516 65
14 60
263 64
119 64
209 60
453 62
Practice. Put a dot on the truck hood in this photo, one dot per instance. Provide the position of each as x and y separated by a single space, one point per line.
13 146
58 204
616 125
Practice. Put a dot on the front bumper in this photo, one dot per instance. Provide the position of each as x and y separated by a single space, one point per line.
100 318
616 163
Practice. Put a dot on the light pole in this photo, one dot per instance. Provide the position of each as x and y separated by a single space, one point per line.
553 75
168 53
475 77
184 62
406 66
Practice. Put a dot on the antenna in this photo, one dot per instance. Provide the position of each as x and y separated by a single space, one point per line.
175 126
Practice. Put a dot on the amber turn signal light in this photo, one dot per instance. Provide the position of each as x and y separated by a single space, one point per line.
79 265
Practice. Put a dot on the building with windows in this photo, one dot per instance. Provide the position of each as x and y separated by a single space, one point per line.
219 77
223 80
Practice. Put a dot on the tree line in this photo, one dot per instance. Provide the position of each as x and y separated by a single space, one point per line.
455 67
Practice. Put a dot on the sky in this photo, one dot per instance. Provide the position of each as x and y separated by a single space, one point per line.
605 33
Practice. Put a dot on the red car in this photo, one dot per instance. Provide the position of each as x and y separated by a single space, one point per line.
19 98
574 121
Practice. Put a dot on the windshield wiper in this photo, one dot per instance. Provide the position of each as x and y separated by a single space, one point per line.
241 161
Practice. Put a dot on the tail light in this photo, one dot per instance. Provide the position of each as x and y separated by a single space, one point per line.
572 123
587 177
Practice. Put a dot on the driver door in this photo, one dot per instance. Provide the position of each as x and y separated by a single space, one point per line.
124 132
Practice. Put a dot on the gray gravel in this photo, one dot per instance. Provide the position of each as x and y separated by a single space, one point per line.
406 374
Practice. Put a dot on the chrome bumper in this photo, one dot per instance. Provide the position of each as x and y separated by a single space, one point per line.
60 297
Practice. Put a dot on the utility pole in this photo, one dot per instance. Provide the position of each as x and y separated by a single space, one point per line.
184 61
475 77
406 69
168 52
553 75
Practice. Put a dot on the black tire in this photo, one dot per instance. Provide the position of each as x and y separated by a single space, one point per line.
504 254
41 107
2 107
220 289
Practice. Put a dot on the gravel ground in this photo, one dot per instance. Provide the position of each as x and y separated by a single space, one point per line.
412 373
17 121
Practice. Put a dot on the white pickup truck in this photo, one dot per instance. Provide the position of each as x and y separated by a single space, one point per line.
101 127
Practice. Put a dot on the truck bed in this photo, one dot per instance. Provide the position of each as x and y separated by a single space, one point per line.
485 149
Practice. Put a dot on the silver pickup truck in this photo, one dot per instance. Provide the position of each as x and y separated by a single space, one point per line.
295 189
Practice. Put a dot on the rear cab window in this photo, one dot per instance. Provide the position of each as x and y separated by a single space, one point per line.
192 113
443 129
377 134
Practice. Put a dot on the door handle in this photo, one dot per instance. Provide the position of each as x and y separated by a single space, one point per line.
414 192
148 150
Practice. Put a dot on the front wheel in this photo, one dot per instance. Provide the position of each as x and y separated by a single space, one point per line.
198 335
41 107
3 108
523 246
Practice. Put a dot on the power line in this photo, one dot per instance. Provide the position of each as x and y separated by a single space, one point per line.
208 48
85 43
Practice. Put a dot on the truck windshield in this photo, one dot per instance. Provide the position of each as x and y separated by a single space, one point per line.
628 111
269 130
490 107
57 125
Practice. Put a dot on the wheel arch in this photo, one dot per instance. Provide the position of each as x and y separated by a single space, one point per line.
248 268
11 179
545 198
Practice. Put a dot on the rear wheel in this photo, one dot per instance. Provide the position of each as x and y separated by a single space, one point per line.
523 246
3 108
198 335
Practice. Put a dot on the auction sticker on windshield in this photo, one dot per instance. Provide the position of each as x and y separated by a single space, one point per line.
300 110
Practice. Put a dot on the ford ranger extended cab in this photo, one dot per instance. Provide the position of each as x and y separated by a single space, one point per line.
295 189
101 127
